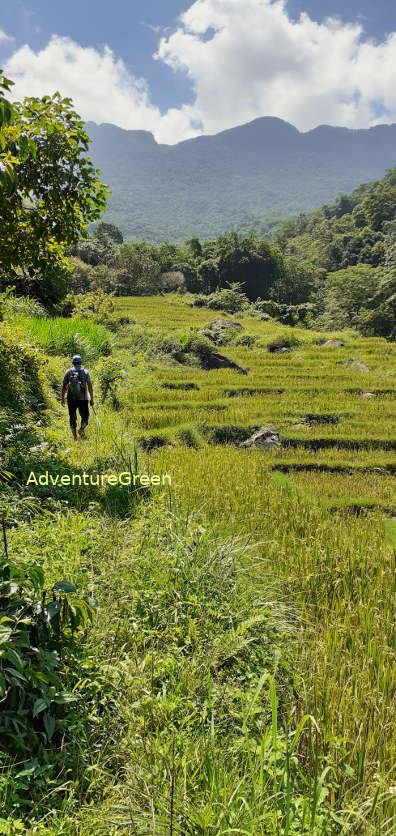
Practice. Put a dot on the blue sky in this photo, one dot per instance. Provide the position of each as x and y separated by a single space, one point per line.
199 70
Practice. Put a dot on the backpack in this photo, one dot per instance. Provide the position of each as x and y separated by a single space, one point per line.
77 384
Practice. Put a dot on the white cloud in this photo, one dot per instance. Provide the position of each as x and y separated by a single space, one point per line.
100 85
245 58
4 37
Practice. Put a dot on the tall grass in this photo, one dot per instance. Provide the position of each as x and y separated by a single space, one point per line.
68 336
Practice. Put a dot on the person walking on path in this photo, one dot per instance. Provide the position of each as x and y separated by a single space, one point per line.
77 384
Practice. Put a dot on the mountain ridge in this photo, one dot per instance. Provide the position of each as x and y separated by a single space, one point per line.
258 172
238 128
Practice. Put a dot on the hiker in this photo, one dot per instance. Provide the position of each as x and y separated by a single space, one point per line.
77 384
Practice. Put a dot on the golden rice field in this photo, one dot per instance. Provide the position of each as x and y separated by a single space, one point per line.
313 511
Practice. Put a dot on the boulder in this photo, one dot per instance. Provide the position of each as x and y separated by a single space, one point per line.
214 360
368 395
283 350
223 323
265 438
333 344
356 364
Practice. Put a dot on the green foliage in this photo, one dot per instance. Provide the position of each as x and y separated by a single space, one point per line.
105 230
94 250
296 285
231 300
347 292
39 639
110 373
49 191
22 382
68 336
283 341
95 306
353 242
138 271
12 305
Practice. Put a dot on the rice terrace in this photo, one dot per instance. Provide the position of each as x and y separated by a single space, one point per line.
206 646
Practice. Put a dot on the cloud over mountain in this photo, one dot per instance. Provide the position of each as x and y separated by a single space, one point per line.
245 58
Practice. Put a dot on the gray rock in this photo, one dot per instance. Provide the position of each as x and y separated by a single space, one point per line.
356 364
224 323
368 395
214 360
333 344
283 350
265 438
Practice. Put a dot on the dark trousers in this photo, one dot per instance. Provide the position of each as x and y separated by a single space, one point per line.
80 406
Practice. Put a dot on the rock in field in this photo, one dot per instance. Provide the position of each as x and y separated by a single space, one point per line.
333 344
224 323
356 364
214 360
264 439
368 395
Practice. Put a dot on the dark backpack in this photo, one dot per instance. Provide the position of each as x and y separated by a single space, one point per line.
77 384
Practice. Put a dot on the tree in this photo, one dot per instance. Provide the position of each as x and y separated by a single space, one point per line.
94 251
49 190
103 230
138 272
296 285
254 262
348 292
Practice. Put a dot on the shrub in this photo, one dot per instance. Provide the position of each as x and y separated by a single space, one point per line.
173 281
12 305
283 341
22 382
110 373
287 314
96 306
231 300
39 634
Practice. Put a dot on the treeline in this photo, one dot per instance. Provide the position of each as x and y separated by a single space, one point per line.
104 262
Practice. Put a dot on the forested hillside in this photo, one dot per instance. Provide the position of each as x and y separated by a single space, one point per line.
256 173
332 268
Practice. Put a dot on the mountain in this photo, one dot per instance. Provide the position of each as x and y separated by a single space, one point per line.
262 171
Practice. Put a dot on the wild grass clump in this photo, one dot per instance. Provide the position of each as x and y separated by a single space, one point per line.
202 646
68 336
283 341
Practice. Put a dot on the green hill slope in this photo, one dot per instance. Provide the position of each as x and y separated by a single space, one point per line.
265 169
